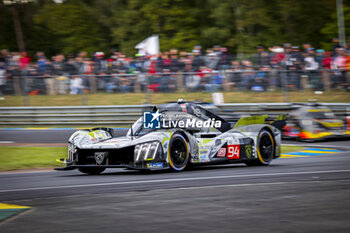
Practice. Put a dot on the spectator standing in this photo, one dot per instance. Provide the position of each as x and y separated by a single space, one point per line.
277 56
234 75
327 60
311 68
5 57
76 85
294 62
184 62
261 80
319 56
24 60
2 79
225 59
306 48
336 45
174 62
124 82
198 61
159 62
248 76
338 64
100 63
214 82
212 61
262 57
326 66
347 70
42 63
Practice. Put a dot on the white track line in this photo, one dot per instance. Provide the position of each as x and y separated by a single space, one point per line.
5 142
253 184
172 180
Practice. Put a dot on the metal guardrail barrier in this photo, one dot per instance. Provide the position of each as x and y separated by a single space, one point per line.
126 114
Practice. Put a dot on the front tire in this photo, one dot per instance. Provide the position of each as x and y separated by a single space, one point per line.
178 152
92 170
265 149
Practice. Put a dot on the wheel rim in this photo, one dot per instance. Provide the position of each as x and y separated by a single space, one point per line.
178 153
266 147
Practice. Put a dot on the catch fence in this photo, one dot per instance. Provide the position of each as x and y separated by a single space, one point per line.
204 81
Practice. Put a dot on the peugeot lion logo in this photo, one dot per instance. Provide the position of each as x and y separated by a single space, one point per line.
100 157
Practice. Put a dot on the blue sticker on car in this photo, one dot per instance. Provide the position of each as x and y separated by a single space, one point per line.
155 165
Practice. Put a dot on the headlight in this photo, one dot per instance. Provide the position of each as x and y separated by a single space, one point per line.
71 151
147 151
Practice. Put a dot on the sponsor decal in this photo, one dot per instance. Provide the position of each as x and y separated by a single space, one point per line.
203 158
248 151
196 111
233 151
222 152
295 131
151 120
183 107
232 141
155 165
100 157
217 142
192 123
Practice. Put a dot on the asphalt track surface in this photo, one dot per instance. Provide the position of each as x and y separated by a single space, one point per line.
309 194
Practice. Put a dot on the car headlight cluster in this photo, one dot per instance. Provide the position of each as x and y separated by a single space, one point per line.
147 151
71 151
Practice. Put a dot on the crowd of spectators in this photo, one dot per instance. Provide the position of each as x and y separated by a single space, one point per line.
205 70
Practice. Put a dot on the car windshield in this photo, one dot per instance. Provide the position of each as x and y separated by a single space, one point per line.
174 120
137 128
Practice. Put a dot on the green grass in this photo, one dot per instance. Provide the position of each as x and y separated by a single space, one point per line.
16 158
158 98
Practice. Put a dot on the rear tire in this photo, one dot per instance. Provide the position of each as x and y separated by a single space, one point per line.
92 170
265 149
178 152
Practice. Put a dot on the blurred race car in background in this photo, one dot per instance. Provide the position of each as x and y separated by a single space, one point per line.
176 135
311 122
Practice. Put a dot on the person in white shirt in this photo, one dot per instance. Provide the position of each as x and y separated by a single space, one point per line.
76 85
311 68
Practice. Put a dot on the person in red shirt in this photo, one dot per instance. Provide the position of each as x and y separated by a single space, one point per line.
347 71
24 60
327 60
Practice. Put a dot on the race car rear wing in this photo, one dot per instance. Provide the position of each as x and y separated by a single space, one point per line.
278 122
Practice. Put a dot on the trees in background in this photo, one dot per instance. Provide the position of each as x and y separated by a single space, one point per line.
240 25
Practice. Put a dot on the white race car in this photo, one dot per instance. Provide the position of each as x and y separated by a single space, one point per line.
173 136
